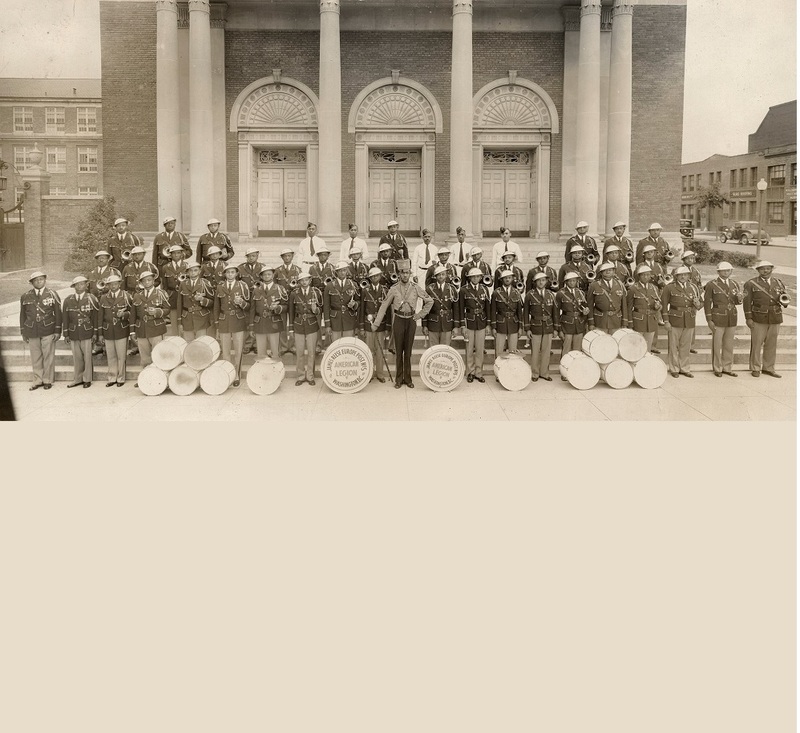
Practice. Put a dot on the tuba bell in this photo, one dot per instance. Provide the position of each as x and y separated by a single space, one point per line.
327 281
629 281
590 258
393 278
126 255
520 286
668 255
364 284
668 279
293 283
591 275
165 250
629 256
456 282
487 281
784 300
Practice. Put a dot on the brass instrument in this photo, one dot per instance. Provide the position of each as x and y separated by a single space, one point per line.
327 281
364 284
487 281
629 281
520 286
668 279
629 256
165 250
784 300
583 309
591 275
591 258
126 255
668 255
293 283
738 296
183 277
393 277
456 282
352 306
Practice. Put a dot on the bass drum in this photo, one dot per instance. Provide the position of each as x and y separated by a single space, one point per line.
347 365
632 345
618 374
581 371
201 353
183 380
513 372
650 372
265 376
441 368
168 353
152 381
600 346
217 378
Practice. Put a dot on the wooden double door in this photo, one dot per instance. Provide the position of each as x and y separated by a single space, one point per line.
282 203
506 201
395 193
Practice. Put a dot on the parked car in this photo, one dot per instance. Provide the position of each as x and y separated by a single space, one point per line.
744 232
686 228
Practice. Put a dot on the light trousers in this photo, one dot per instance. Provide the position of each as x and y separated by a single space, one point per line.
722 348
680 341
649 337
336 335
146 349
274 340
503 341
572 342
43 357
192 335
373 339
172 326
306 362
440 337
476 341
117 354
763 346
81 360
540 354
235 342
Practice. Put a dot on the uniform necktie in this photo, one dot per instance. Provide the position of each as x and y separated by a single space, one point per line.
427 254
352 242
311 244
461 252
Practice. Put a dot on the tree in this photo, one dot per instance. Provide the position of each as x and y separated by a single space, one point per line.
710 197
92 235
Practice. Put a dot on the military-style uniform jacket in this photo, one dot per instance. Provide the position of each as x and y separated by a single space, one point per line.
660 244
117 314
214 272
431 278
581 268
301 306
540 312
607 304
214 240
269 304
475 306
720 301
484 267
229 316
623 243
284 275
552 277
98 274
164 239
169 280
41 315
132 271
117 246
569 302
659 271
621 271
357 271
388 267
506 310
694 276
146 325
587 243
250 274
643 304
761 306
399 245
519 276
319 272
445 313
371 299
679 301
336 299
195 314
81 316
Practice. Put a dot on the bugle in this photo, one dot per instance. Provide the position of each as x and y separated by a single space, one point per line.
126 255
591 275
487 281
583 309
784 300
629 256
590 258
738 297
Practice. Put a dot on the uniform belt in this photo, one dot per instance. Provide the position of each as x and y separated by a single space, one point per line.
408 317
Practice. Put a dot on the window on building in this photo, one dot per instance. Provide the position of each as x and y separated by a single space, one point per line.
683 184
23 119
87 119
775 212
691 183
776 175
21 157
733 179
753 177
87 160
752 216
58 190
56 159
793 176
54 119
87 190
742 177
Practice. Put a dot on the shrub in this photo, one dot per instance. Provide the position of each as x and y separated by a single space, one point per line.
738 259
92 235
702 250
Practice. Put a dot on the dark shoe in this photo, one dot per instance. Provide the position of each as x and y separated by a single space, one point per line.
534 379
756 374
120 384
133 352
692 351
397 385
563 379
773 374
654 351
135 385
299 382
86 385
480 379
688 374
730 374
382 380
470 378
547 379
717 374
235 383
311 382
47 386
391 350
34 386
110 384
410 385
77 384
673 374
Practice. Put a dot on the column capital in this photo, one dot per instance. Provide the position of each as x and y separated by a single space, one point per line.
200 6
329 6
572 19
623 7
170 6
590 7
462 6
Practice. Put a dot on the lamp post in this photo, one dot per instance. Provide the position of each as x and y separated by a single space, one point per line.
761 186
3 186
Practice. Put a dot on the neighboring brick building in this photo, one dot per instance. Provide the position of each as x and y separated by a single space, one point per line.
283 143
772 155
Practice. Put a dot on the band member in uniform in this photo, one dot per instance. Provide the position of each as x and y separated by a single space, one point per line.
134 268
576 265
371 299
396 240
195 301
116 317
402 299
540 315
441 323
97 287
762 311
121 241
450 271
476 253
357 270
231 314
305 314
214 238
340 305
606 301
663 254
679 301
541 266
643 303
386 264
166 239
423 257
172 274
573 313
695 280
213 269
581 239
308 246
353 241
722 295
322 269
506 315
505 245
507 265
622 270
151 307
40 320
460 250
249 274
658 271
620 240
475 307
81 327
268 310
287 276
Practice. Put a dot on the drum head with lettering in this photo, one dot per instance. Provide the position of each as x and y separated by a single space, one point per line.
441 368
347 365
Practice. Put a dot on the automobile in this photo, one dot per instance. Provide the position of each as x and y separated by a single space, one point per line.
686 228
744 232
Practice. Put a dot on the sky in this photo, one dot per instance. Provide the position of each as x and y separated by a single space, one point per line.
741 59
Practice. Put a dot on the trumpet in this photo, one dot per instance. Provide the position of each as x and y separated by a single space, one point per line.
183 277
591 258
668 255
591 275
487 281
784 300
629 256
520 286
393 278
364 284
126 255
629 281
327 281
456 282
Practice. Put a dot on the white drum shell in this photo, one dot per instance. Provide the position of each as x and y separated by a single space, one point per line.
168 353
441 368
600 346
153 381
513 372
650 372
217 378
581 371
632 345
618 374
346 365
265 376
201 353
183 380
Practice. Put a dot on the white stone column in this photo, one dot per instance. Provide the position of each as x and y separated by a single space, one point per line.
201 135
330 122
168 133
587 157
219 118
461 119
569 119
618 175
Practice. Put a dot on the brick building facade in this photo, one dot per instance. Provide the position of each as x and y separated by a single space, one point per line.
292 135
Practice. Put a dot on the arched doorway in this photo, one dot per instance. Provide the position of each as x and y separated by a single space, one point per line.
276 120
512 125
395 121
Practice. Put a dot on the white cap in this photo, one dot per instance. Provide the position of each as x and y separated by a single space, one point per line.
384 247
321 248
252 251
230 266
582 224
571 274
355 248
443 251
612 248
474 271
267 268
648 248
542 254
190 265
392 223
36 274
146 273
374 271
763 263
724 266
683 271
102 253
286 251
175 248
109 279
475 251
439 270
687 253
213 221
538 276
643 268
79 279
213 250
506 273
654 225
341 265
619 224
576 248
304 274
121 220
137 250
168 219
606 266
